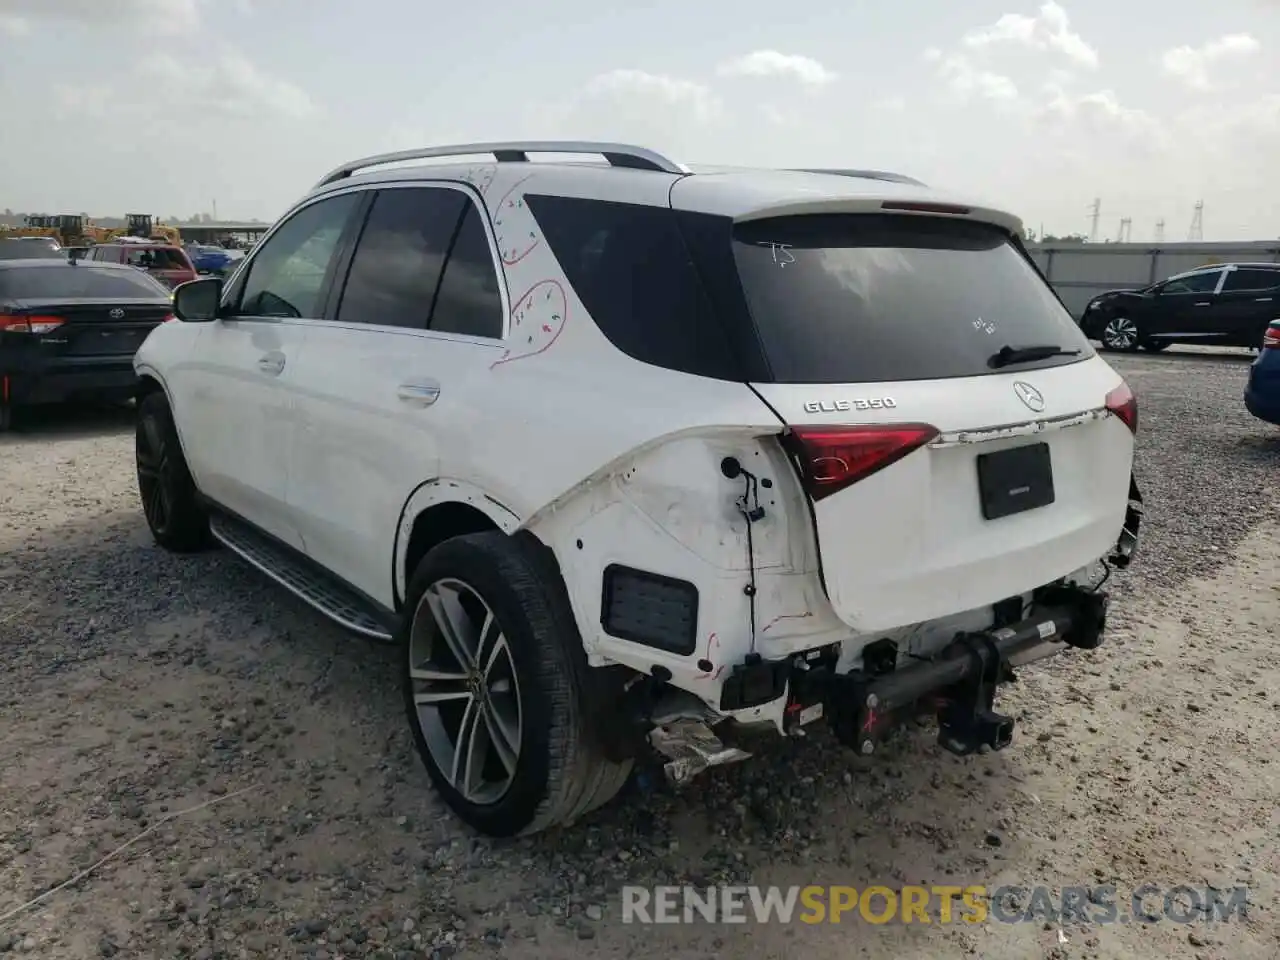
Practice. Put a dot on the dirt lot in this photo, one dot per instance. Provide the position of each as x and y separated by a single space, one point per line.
137 685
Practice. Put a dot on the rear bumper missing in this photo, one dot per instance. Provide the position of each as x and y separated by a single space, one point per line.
958 683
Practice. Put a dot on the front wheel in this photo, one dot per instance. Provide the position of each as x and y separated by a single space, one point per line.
498 692
1120 333
169 499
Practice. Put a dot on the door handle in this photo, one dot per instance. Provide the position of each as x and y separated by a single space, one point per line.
1264 300
1204 303
271 362
422 394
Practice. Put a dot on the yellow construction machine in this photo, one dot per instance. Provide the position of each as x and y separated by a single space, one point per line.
144 226
35 225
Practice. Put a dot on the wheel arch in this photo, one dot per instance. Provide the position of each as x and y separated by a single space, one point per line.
438 510
150 381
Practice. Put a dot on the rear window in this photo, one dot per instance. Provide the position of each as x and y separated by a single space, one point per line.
80 281
158 258
867 298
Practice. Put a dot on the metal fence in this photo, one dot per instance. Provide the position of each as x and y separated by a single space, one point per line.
1081 271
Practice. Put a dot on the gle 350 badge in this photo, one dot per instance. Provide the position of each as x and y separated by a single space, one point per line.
843 406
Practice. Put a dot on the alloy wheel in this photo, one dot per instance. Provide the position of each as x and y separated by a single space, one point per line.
465 691
1120 333
153 474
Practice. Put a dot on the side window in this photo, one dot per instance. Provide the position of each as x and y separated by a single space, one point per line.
286 278
401 251
1196 283
468 301
630 267
1249 279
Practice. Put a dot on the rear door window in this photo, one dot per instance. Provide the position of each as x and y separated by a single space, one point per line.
859 298
80 281
1251 279
469 301
398 259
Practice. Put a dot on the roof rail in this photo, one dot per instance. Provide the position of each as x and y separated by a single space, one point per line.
867 175
618 154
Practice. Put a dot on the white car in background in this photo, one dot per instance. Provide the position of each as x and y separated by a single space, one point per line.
632 459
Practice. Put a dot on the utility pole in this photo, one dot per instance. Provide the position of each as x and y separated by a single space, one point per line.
1197 222
1093 219
1160 230
1125 231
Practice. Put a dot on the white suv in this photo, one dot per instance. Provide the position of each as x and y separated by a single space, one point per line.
635 460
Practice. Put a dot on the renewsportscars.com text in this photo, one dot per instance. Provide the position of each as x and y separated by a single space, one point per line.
971 904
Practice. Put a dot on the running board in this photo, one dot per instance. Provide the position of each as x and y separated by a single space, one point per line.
338 603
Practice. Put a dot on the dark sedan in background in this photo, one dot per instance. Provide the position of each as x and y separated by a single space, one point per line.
1229 305
68 331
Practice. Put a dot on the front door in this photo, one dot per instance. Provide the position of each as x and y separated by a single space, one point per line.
240 412
1184 308
390 379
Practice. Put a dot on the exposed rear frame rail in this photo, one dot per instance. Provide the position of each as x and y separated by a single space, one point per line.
517 151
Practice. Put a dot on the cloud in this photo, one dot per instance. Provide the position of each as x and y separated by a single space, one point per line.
230 86
966 79
1192 65
637 84
1050 30
771 63
160 17
14 26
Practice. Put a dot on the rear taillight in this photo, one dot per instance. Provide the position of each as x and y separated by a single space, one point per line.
27 324
832 458
168 317
1271 339
1124 405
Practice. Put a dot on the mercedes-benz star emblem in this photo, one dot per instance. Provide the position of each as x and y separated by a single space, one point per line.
116 313
1029 395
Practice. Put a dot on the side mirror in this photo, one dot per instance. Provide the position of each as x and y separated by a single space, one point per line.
196 301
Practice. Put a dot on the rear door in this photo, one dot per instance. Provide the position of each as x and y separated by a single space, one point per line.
884 336
238 399
1249 302
389 382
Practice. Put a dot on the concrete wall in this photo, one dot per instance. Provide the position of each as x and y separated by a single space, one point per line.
1081 271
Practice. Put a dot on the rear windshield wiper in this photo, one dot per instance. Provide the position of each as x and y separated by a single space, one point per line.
1007 355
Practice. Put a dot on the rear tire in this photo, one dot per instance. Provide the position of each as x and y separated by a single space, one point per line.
500 698
169 498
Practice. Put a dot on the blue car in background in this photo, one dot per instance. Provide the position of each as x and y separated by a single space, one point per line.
1262 393
213 260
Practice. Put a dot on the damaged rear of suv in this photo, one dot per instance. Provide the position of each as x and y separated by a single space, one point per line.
949 480
733 452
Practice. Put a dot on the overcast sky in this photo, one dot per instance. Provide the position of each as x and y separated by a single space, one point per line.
166 106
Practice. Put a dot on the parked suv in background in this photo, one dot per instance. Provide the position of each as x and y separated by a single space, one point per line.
1226 305
634 460
168 264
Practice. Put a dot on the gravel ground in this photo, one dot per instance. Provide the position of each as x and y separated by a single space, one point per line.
138 685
